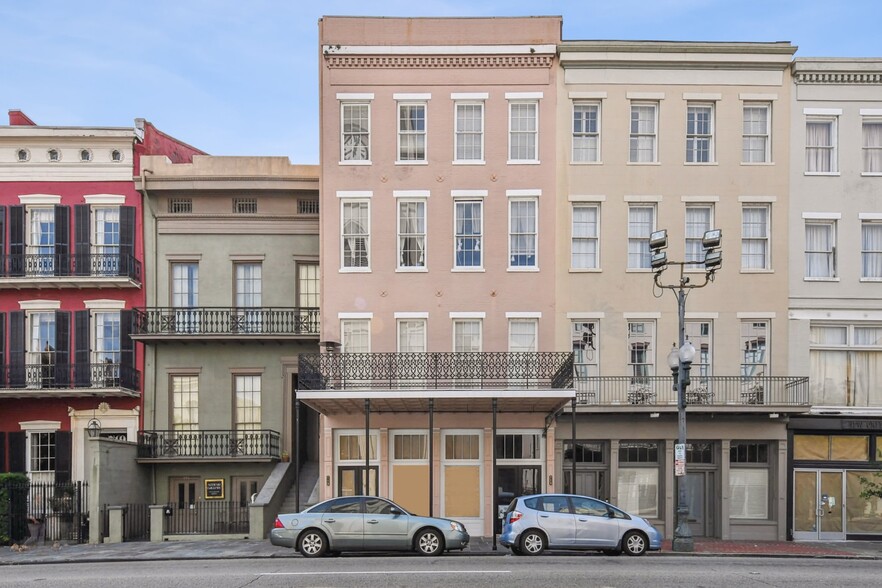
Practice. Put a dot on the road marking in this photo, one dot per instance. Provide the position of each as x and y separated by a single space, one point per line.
390 572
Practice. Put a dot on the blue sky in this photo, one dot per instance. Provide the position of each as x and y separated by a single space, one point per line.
241 77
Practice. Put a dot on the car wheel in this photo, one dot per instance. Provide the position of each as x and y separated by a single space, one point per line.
429 542
313 543
532 542
634 543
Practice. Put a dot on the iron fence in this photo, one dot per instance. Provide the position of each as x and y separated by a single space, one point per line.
51 511
136 521
207 517
190 444
198 321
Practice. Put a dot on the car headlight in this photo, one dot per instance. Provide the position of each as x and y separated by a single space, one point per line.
457 526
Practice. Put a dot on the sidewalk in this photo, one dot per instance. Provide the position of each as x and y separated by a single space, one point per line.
245 548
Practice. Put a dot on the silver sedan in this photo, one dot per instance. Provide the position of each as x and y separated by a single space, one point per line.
365 523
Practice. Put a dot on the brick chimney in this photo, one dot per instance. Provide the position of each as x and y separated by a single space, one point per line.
19 119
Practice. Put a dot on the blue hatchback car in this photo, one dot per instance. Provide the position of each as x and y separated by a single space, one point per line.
538 522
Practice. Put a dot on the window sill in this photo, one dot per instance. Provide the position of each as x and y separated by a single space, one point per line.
355 270
586 163
469 162
523 162
872 280
643 163
411 270
414 162
833 174
757 163
700 163
368 162
585 270
522 269
638 270
468 270
757 271
871 174
808 279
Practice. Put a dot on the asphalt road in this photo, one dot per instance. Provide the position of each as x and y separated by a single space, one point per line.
570 571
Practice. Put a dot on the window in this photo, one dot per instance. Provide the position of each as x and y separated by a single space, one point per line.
42 348
644 118
411 132
584 252
307 206
356 335
638 478
180 205
699 219
872 146
116 156
586 132
820 249
755 237
53 155
356 234
41 241
820 145
523 127
871 250
846 364
467 335
185 403
518 446
411 234
641 348
247 410
522 232
245 205
468 237
749 480
585 347
699 133
42 457
185 295
412 335
248 296
754 338
351 447
85 155
469 131
410 446
23 155
308 285
700 334
105 239
462 447
356 140
755 132
522 335
106 349
641 223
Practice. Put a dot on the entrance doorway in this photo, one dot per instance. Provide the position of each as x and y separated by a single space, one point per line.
818 506
588 483
513 481
700 493
350 480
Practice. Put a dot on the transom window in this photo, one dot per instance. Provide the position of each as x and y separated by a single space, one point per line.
820 145
585 239
644 134
517 446
700 133
756 132
523 131
351 447
410 446
356 138
411 132
586 132
462 446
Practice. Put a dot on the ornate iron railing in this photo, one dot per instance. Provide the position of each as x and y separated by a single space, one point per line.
207 320
480 370
69 375
708 390
198 444
51 265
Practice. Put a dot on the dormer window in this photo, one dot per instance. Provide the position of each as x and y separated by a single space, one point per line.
23 155
116 155
85 155
54 155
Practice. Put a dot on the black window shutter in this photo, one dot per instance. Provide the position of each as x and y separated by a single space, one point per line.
16 241
82 344
82 239
62 240
62 456
62 348
3 366
3 461
127 374
127 242
17 453
3 261
17 349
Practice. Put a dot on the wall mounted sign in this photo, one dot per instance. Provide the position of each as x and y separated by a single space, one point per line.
214 489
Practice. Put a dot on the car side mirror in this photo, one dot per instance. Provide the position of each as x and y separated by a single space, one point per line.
395 511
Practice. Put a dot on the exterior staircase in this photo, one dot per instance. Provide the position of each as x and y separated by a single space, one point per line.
308 489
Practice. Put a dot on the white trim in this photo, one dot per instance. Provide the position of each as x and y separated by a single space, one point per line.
411 315
421 394
105 304
629 198
539 49
859 316
532 192
410 193
871 216
526 315
468 315
246 257
39 199
822 111
469 96
354 315
39 425
39 304
183 257
871 111
699 199
822 215
645 95
523 95
468 193
761 199
755 315
355 193
587 95
345 96
712 96
105 199
702 315
586 198
586 315
750 97
641 315
416 97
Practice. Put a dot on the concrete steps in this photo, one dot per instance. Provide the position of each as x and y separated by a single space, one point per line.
308 489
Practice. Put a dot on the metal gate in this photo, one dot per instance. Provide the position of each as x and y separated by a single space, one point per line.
51 512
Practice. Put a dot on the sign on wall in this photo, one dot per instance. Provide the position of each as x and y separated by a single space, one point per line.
214 489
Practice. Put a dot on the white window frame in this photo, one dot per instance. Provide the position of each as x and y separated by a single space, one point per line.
588 238
347 330
366 235
458 133
749 134
582 133
832 149
870 153
524 321
866 252
512 132
635 134
373 442
703 365
420 324
695 138
402 133
248 425
344 160
695 234
479 237
830 254
637 334
635 239
393 434
514 203
474 322
419 236
189 424
748 334
765 239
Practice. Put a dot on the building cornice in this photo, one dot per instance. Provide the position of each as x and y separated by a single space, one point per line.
855 71
530 61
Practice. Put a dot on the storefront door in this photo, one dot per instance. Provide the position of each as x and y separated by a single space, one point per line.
700 502
350 480
818 507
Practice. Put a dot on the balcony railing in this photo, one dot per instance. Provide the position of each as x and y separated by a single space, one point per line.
476 370
195 322
56 376
53 265
752 391
201 444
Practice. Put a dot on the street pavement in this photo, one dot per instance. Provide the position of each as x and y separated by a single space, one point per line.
249 549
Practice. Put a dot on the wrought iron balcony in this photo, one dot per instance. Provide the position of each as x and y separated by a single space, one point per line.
756 393
224 323
100 268
62 379
198 445
436 370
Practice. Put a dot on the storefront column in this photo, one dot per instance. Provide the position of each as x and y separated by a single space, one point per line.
725 470
613 471
431 457
670 506
295 446
495 496
573 442
367 447
782 474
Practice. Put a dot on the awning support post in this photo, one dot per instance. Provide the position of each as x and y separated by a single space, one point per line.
431 456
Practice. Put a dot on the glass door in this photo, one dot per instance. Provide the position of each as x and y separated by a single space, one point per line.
818 509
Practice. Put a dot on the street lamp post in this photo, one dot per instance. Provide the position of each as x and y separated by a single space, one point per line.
681 356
